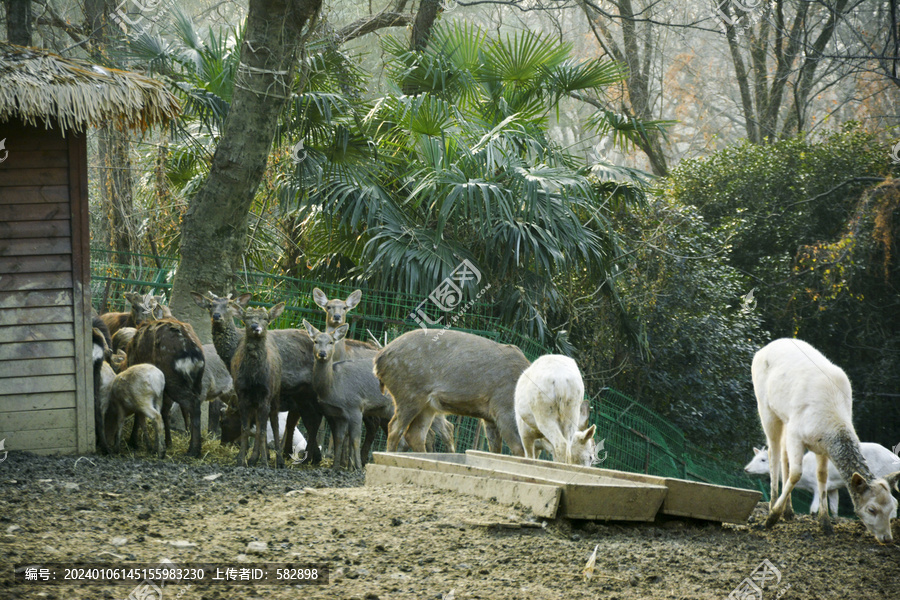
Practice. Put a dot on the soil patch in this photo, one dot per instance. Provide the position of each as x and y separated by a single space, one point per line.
397 541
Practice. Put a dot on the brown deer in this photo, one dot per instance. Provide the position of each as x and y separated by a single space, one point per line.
458 373
256 370
143 308
297 396
173 347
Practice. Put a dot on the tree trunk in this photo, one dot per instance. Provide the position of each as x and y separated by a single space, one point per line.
116 192
117 230
743 81
786 44
637 81
215 225
18 22
421 32
796 119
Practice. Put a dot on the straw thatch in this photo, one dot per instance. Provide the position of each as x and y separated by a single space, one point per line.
73 94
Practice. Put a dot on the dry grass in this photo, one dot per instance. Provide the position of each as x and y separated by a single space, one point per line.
212 451
36 85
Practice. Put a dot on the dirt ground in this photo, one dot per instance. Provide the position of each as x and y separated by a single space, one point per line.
395 541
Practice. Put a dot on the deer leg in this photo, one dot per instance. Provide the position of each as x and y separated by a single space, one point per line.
774 430
133 442
354 431
112 427
293 417
822 476
185 416
259 446
418 430
100 419
160 446
788 514
196 439
372 424
528 440
339 427
492 433
445 430
311 415
166 409
279 455
795 471
245 432
403 416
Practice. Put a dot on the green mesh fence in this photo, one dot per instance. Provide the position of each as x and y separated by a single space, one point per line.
634 437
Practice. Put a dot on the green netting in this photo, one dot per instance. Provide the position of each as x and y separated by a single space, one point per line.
378 313
635 438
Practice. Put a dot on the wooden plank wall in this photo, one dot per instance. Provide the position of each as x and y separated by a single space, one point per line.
42 339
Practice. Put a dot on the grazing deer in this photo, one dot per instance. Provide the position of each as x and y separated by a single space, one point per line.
805 401
549 400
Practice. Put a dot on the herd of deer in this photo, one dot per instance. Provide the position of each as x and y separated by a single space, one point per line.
308 373
406 387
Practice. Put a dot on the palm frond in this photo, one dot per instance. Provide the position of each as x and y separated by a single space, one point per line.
625 130
571 75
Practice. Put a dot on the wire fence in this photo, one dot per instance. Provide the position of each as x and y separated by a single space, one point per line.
634 438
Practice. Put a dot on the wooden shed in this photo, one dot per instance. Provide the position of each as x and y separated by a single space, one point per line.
46 104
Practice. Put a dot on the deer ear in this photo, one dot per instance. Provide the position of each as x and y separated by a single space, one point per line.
341 332
276 311
858 484
319 297
585 413
893 480
243 300
311 331
237 308
353 299
588 433
135 299
200 300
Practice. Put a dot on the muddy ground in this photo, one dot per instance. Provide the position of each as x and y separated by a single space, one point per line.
396 541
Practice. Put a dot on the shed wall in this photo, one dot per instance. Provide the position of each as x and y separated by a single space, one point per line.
46 393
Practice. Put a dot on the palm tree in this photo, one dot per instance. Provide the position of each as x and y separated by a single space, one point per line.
461 167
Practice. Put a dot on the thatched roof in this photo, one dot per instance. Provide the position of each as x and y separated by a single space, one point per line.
38 85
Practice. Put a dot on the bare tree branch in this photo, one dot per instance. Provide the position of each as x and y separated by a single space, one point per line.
50 17
371 24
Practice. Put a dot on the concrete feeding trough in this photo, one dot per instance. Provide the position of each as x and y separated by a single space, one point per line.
552 489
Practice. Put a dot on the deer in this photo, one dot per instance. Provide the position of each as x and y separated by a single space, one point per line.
457 373
137 390
256 370
297 396
345 348
549 397
347 391
143 308
805 401
173 347
103 376
335 316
